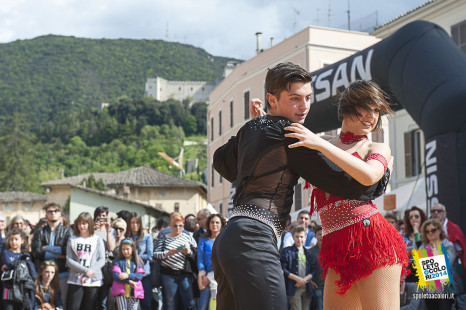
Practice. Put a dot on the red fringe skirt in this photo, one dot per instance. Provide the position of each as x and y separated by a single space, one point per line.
355 251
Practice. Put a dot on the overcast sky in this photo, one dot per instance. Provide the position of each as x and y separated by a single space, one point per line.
221 27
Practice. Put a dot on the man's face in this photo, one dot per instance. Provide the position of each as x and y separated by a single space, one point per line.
293 104
299 238
319 236
438 213
303 219
201 219
52 214
2 223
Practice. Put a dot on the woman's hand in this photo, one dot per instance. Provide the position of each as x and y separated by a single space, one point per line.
256 108
172 252
90 273
123 276
186 250
132 283
84 279
306 137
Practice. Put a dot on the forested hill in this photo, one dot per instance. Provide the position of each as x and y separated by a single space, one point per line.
52 75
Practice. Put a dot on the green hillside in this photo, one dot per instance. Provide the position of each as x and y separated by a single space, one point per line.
51 90
51 75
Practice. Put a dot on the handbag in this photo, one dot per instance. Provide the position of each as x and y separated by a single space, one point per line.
45 305
155 265
107 270
8 275
191 269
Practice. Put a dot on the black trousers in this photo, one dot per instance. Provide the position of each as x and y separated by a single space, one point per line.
247 267
81 297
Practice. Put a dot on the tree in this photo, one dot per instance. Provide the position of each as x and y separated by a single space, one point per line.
17 169
189 125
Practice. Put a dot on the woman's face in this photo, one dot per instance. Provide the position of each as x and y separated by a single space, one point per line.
120 232
134 225
414 217
177 228
215 224
363 123
83 227
127 250
19 224
432 233
47 275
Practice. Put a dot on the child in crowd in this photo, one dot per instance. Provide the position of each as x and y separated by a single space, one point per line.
15 249
299 267
85 256
128 270
47 292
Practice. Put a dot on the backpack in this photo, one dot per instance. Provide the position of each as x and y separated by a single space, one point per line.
21 283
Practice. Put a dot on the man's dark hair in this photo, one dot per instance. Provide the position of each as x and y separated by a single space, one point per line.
99 210
162 223
126 215
280 78
318 228
190 224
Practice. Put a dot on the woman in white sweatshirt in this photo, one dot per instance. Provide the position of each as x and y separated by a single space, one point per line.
85 257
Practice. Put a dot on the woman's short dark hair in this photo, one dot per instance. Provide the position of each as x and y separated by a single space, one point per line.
365 95
280 78
99 210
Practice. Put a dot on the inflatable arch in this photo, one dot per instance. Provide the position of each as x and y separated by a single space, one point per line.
425 73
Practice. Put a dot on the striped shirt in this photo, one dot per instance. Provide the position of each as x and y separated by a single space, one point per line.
165 244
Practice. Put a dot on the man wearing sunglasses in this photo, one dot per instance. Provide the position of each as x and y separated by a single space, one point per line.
49 243
454 233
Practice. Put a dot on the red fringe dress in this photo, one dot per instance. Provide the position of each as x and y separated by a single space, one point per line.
356 237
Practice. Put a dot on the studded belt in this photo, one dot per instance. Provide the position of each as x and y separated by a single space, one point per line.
260 214
343 213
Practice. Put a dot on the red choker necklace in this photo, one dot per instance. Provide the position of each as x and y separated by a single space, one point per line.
349 137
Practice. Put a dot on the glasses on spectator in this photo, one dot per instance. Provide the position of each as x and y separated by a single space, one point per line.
433 230
199 218
120 229
436 211
49 263
53 211
416 216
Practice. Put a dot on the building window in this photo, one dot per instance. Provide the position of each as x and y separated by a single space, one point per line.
246 105
458 35
219 123
220 208
412 141
231 113
298 202
212 176
211 129
177 207
377 136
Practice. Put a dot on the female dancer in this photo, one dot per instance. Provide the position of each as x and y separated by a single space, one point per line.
362 254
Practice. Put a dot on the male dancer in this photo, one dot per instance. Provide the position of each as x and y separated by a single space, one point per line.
245 258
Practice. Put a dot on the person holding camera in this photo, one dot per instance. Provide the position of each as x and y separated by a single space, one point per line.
173 250
104 230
